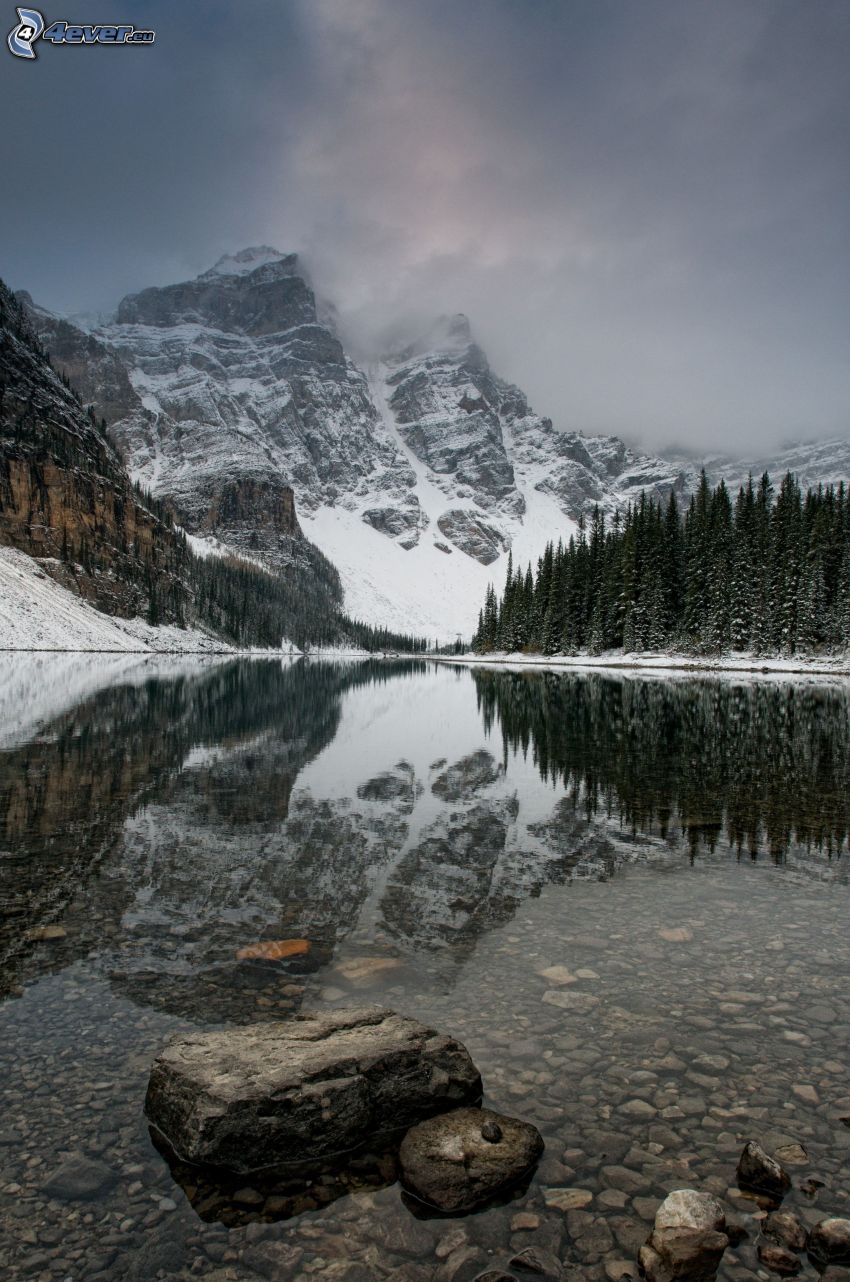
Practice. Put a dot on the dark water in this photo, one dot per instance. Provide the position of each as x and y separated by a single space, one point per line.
628 897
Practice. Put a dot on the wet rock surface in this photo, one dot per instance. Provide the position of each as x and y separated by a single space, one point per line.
462 1159
778 1258
829 1240
79 1178
270 1094
786 1228
758 1170
687 1240
690 1209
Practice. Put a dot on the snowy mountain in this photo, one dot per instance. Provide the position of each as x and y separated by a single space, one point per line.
414 473
79 542
814 463
67 500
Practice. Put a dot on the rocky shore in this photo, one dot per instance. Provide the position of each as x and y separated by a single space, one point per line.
251 1108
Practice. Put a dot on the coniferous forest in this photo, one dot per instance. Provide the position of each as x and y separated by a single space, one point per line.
768 572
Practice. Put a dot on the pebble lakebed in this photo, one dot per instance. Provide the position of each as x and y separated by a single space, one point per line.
648 1023
647 1026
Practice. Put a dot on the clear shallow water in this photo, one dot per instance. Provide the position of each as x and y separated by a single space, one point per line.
443 839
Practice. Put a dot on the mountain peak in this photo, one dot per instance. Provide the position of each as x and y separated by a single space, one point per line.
450 333
247 260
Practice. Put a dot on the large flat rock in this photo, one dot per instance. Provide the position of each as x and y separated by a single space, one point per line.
299 1091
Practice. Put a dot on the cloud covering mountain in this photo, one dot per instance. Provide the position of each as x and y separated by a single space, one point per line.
643 208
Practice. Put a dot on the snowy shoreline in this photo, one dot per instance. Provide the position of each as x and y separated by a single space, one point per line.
654 662
40 616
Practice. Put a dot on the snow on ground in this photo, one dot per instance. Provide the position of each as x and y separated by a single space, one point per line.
207 545
423 590
828 665
37 613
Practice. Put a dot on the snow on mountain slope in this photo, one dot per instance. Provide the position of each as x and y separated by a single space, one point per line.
431 586
37 613
414 476
814 463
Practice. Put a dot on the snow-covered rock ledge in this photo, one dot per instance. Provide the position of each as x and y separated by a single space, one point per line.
667 661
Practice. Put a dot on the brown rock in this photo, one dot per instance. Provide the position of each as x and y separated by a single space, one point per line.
783 1227
688 1238
567 1199
39 933
358 970
778 1258
758 1170
539 1262
792 1155
682 1255
447 1162
829 1241
835 1273
273 949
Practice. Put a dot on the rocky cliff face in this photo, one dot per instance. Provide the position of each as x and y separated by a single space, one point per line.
92 368
231 398
242 398
65 496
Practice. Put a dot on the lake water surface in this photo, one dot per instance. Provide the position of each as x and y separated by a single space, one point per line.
629 898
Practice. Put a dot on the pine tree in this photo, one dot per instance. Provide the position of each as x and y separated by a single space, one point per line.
771 575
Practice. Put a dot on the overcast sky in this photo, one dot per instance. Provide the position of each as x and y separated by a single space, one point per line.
642 205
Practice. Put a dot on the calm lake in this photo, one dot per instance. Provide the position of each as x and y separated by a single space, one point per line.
629 897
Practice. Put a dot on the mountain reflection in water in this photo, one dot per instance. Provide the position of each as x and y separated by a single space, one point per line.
169 822
627 896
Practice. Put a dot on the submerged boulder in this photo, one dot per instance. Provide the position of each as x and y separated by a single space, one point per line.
291 1093
829 1241
688 1239
689 1209
778 1258
759 1171
787 1229
461 1159
79 1179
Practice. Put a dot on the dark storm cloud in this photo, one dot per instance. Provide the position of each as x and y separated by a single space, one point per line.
644 207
